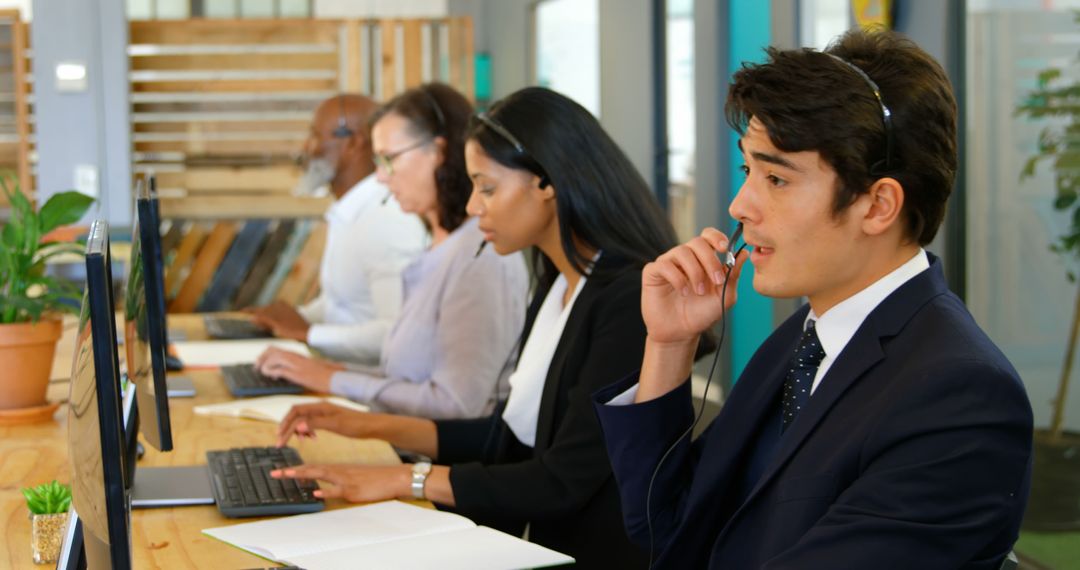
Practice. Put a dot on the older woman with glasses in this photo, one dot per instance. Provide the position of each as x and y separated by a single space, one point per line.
451 348
545 177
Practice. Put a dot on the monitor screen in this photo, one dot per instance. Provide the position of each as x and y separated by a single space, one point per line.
95 433
144 336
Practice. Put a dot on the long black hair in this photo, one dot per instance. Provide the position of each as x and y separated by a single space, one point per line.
600 197
438 110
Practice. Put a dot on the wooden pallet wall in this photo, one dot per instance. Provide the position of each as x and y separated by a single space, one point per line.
221 108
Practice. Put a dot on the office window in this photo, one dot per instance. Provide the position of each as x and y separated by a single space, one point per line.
568 49
682 131
1016 287
820 21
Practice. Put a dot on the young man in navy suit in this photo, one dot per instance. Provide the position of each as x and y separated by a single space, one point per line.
878 427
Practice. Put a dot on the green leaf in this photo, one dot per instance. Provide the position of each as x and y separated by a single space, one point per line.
1064 201
63 209
1048 75
1029 167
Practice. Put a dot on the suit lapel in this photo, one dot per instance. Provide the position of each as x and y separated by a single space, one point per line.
574 324
862 352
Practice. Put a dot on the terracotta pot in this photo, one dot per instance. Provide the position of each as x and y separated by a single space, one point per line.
26 359
1054 504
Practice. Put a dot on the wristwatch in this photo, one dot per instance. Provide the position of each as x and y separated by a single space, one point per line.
420 471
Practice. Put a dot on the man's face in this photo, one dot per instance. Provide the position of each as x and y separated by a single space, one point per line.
799 247
322 151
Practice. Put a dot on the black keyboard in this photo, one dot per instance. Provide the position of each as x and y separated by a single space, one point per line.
244 381
233 328
243 486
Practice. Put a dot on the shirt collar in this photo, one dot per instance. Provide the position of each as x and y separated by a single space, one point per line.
836 327
362 195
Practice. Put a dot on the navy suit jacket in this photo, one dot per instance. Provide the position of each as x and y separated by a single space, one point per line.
913 452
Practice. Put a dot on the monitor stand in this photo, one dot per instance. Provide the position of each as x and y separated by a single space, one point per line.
171 487
180 387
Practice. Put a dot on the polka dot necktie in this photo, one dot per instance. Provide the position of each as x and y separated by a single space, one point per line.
800 375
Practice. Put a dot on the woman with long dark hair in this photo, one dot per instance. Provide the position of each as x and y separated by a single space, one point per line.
546 177
452 343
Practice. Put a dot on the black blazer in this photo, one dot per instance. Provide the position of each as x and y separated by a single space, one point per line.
563 488
914 452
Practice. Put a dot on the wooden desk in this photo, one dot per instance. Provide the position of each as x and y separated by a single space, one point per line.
161 538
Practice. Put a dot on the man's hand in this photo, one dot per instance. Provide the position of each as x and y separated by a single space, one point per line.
283 320
681 291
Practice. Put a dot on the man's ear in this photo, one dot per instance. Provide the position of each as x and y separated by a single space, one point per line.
885 206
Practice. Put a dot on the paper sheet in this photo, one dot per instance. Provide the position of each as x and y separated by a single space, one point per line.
270 408
224 352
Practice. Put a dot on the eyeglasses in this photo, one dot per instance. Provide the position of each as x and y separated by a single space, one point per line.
386 161
518 147
886 114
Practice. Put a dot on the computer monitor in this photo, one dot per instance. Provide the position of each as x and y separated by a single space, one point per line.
144 330
95 434
154 486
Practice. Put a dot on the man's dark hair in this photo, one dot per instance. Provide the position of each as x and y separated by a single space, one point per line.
438 110
600 197
809 101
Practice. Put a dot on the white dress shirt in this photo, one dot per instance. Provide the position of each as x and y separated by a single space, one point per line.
368 243
527 382
836 327
449 353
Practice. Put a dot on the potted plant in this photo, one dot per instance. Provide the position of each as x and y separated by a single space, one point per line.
48 504
1054 503
31 302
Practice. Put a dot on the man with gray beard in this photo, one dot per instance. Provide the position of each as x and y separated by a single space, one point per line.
369 241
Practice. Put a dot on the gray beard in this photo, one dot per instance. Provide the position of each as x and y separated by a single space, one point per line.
316 178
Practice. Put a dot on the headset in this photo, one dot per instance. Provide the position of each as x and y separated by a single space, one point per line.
343 130
729 263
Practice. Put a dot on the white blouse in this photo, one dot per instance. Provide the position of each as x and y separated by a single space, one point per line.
527 382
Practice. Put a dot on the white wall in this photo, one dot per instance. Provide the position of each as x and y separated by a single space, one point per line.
380 8
22 5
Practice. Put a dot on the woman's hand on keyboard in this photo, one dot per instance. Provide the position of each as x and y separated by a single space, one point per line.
296 368
354 483
302 420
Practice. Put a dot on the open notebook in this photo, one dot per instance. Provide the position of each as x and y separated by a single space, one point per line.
270 408
386 535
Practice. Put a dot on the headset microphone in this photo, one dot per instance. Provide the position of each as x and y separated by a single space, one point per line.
729 258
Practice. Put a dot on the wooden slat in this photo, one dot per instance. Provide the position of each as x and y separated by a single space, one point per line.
171 238
454 56
219 148
218 207
19 38
305 270
203 269
285 61
185 252
231 179
468 85
237 86
388 77
264 264
413 58
351 54
223 32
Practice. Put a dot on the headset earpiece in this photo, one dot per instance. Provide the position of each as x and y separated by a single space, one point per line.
342 131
